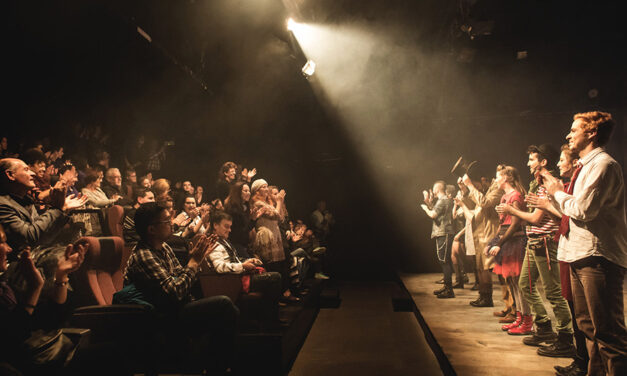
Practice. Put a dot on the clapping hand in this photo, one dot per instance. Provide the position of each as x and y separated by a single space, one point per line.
51 170
33 278
551 183
535 201
204 246
503 209
251 173
74 202
57 195
428 197
71 260
281 195
194 213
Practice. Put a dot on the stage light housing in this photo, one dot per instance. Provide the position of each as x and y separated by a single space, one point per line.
291 24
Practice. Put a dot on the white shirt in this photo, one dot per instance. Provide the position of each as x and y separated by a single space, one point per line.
221 261
598 224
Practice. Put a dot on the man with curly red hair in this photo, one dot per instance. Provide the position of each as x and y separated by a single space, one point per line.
595 243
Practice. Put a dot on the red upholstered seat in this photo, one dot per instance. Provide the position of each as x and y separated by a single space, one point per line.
101 274
115 219
221 284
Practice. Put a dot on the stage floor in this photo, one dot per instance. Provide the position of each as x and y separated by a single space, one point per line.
471 337
364 336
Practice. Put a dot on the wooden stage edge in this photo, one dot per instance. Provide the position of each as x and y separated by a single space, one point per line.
471 338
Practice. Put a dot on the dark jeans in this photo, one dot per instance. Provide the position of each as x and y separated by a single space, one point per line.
444 245
283 269
211 322
270 285
597 285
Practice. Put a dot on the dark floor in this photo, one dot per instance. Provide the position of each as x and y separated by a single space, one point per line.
364 336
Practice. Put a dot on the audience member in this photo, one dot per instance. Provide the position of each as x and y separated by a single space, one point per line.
112 187
236 205
130 183
268 241
198 195
188 222
155 271
226 178
128 225
224 260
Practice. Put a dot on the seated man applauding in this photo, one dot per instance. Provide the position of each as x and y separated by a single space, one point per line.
224 260
155 271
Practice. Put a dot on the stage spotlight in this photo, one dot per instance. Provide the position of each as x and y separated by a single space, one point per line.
291 24
309 68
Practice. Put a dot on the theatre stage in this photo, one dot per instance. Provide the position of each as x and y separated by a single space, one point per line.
470 337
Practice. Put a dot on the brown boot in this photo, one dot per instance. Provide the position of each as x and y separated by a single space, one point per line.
510 317
502 313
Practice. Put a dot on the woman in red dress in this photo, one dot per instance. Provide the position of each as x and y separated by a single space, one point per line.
508 246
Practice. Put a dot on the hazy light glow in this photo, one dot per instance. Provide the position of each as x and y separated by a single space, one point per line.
291 24
309 68
373 83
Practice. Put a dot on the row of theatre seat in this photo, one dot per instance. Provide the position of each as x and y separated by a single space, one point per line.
136 336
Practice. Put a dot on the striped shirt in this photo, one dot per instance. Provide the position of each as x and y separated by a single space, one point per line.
548 224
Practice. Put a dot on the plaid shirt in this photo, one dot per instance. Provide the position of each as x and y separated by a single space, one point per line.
159 268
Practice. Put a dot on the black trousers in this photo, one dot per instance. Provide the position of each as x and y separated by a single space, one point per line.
444 246
211 322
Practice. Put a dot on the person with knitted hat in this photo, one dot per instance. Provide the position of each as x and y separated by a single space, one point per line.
267 216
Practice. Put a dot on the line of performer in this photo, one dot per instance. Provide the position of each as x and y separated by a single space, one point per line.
567 233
